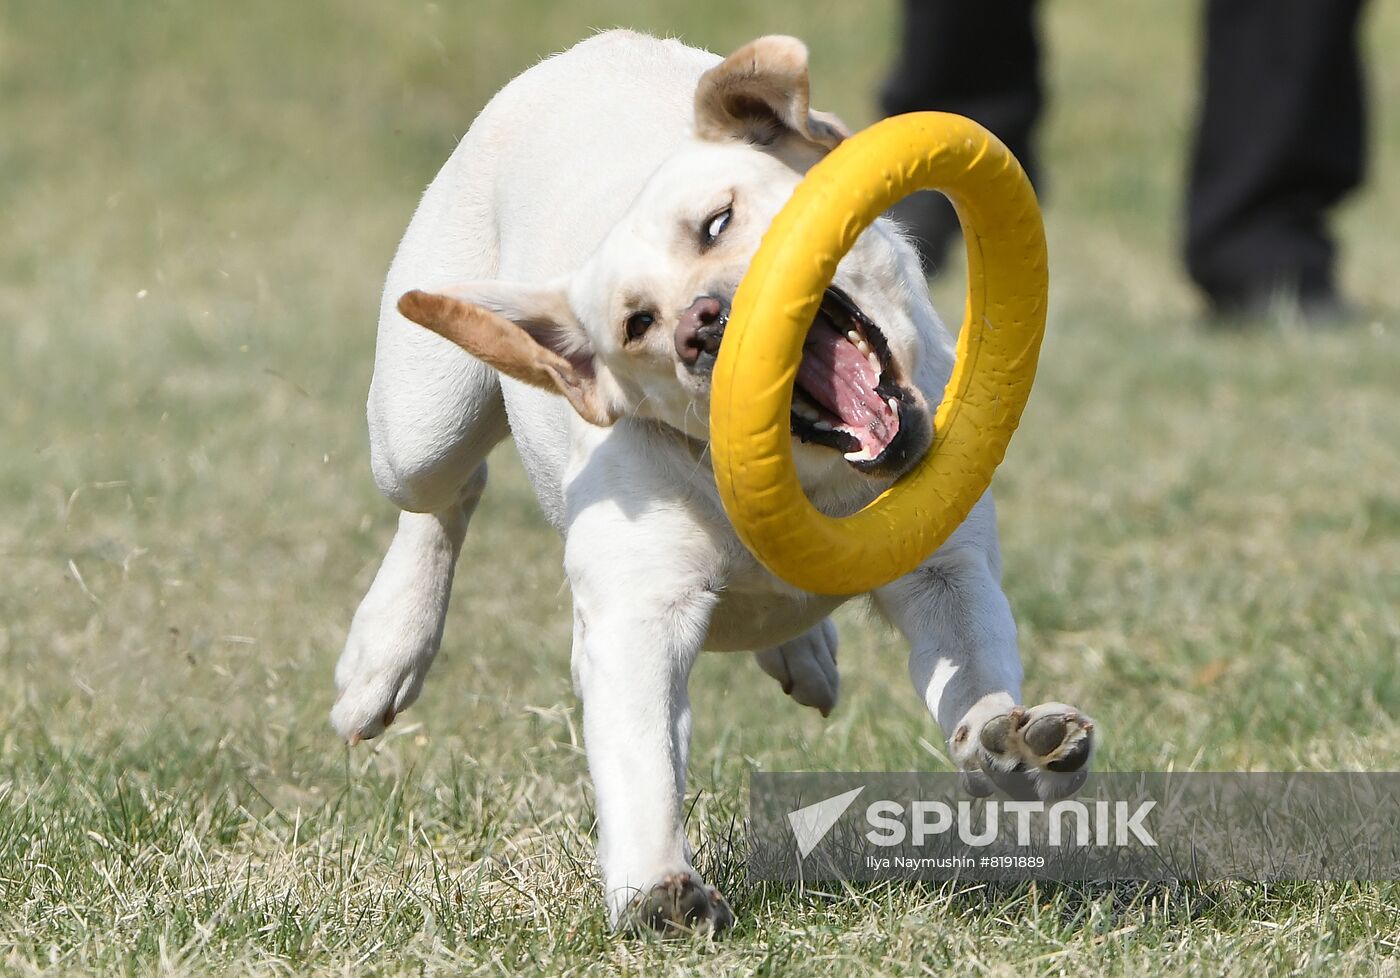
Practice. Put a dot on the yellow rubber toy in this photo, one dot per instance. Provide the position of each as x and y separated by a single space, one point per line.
751 399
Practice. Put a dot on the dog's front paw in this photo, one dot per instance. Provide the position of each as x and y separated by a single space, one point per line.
679 904
1041 752
379 675
806 667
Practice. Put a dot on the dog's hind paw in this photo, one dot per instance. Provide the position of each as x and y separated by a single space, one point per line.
677 905
379 675
806 667
1038 752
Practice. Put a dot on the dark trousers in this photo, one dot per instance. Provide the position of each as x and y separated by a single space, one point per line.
978 58
1279 140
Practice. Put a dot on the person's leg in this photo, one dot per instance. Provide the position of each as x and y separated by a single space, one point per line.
981 60
1280 140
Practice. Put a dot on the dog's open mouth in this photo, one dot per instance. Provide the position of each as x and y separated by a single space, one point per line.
848 396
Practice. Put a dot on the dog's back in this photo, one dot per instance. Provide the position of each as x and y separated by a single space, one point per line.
550 164
554 159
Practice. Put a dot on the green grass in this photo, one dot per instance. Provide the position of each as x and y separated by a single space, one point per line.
1201 533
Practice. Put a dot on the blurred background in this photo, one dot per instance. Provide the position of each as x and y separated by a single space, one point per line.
199 200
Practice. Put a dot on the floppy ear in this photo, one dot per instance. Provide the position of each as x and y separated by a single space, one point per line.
526 332
760 93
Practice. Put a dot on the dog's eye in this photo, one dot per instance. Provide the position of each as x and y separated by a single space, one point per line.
715 226
637 325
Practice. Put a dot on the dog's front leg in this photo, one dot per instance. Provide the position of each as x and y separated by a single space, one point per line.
965 665
637 631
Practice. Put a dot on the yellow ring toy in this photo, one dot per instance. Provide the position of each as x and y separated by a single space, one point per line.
1004 320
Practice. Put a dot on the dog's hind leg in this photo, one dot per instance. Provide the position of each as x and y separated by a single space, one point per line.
397 629
435 413
806 667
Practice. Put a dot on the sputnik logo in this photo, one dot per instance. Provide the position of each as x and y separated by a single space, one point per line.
811 824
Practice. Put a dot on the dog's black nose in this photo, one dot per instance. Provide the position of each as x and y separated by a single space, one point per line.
700 329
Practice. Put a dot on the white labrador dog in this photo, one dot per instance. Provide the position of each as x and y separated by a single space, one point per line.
585 240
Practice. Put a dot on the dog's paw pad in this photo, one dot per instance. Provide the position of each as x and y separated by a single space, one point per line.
997 732
1045 734
679 904
1040 752
1057 737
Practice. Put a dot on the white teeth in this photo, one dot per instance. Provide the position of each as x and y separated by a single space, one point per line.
854 337
894 405
822 426
864 348
861 456
874 361
804 411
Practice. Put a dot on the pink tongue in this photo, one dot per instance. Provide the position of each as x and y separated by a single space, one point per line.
840 378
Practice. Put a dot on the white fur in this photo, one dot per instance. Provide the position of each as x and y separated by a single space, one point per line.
575 179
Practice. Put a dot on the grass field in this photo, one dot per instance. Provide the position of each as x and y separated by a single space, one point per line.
1201 533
